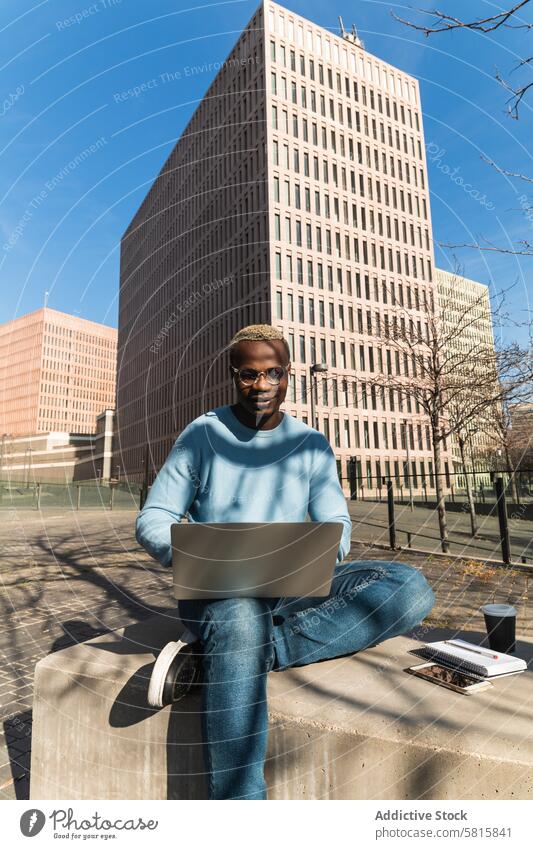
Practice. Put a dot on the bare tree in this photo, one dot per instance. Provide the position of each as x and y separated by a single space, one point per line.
509 425
447 368
463 437
507 18
446 22
521 441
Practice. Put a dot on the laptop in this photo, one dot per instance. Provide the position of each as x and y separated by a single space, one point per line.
253 559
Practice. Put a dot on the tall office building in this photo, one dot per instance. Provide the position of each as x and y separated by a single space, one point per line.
466 314
297 195
57 373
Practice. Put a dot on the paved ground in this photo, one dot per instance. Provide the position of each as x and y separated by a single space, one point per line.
370 523
65 577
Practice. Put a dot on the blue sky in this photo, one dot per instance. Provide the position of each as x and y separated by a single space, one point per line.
78 152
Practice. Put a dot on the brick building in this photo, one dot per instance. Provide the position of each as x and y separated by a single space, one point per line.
57 373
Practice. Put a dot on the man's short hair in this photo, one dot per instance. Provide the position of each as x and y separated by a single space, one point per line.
257 332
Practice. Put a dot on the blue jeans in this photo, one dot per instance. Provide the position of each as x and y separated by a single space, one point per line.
245 638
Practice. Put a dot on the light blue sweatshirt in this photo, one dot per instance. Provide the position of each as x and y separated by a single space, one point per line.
219 470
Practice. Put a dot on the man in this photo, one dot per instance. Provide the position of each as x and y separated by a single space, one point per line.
245 462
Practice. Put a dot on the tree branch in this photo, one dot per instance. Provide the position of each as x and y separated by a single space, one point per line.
517 95
527 245
449 22
506 173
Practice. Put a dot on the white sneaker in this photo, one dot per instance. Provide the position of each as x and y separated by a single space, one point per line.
177 667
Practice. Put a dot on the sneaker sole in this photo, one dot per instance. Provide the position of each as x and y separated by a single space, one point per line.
182 673
161 666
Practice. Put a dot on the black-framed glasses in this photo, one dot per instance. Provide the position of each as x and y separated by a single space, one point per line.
248 376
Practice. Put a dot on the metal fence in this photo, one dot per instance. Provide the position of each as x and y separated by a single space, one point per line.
71 496
505 533
497 504
421 489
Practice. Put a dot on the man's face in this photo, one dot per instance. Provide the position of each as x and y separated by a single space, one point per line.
261 398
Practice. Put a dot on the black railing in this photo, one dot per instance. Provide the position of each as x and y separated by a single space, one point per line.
503 537
518 485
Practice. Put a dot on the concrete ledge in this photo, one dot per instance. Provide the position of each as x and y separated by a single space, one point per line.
357 727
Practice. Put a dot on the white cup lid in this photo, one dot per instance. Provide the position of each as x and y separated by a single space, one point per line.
499 609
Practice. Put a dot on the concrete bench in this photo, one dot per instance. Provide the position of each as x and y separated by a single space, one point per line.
357 727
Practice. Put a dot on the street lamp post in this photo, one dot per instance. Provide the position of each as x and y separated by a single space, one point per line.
24 478
4 465
2 455
315 368
144 486
472 460
29 468
408 464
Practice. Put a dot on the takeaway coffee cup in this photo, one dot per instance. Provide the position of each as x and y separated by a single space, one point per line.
500 621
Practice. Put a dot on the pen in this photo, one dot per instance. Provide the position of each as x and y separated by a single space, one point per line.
468 648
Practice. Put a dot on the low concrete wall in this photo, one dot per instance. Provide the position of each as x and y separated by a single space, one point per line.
357 727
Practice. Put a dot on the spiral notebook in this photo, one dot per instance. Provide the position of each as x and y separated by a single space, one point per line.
468 657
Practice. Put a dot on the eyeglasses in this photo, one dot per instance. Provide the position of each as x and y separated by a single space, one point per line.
248 376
